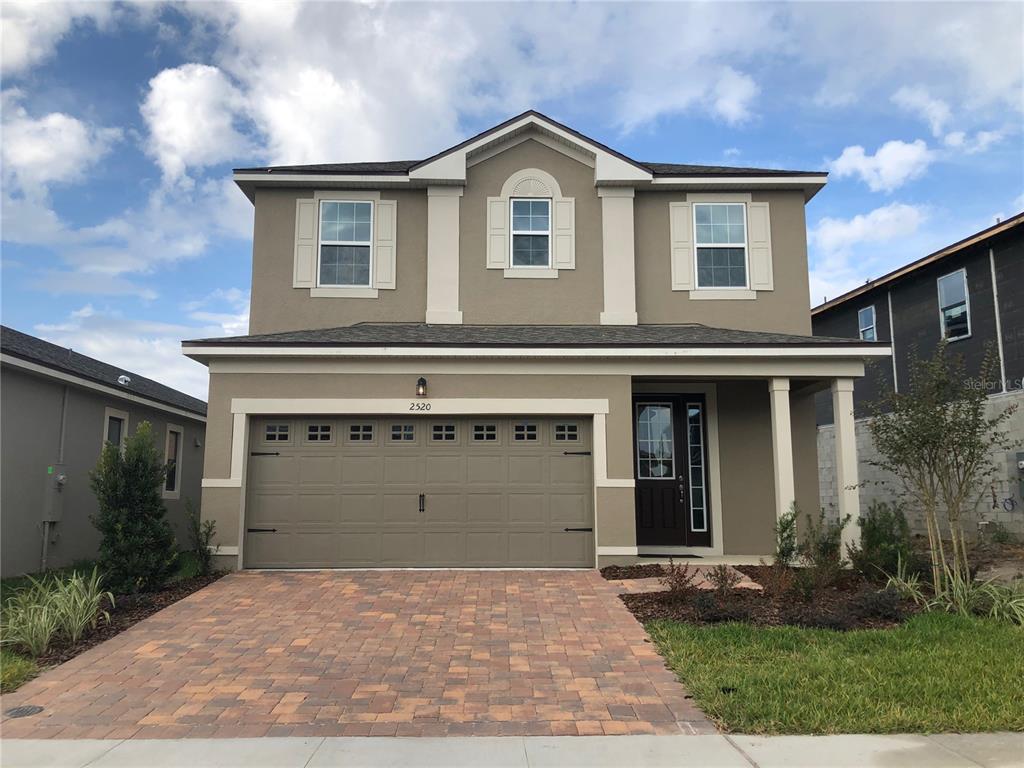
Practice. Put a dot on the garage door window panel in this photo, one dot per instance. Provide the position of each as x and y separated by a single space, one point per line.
525 433
567 433
277 432
318 433
403 434
443 433
485 433
361 434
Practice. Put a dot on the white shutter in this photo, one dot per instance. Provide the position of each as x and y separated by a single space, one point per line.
304 274
385 243
680 223
497 233
759 240
564 232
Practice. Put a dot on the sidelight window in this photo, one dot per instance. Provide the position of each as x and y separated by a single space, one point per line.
698 485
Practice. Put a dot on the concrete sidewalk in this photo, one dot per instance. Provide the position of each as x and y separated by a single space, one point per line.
995 750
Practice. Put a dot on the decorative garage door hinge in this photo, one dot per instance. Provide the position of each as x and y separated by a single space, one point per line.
576 453
582 530
264 453
261 530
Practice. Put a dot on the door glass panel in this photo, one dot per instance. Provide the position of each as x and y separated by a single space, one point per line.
695 432
654 442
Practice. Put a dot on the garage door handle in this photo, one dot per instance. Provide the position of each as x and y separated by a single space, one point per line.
261 530
264 453
423 502
576 453
588 530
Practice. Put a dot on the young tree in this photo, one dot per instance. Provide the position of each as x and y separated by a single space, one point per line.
137 549
935 439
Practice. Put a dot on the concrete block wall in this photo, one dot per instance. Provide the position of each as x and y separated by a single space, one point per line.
1006 508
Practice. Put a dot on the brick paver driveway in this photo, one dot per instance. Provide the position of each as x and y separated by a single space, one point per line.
404 653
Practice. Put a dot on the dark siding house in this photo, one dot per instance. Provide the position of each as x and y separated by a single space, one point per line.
907 312
972 294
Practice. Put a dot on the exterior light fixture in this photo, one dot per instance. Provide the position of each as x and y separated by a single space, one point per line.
421 387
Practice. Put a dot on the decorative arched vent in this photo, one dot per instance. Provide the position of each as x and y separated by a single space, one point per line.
532 187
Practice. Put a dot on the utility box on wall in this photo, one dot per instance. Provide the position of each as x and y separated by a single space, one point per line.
53 493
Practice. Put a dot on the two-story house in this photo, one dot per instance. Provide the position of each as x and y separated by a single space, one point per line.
525 350
968 295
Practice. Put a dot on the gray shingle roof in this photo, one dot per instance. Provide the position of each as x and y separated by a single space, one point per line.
35 350
399 167
424 335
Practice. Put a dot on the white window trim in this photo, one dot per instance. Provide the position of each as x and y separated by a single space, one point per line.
123 415
174 493
512 266
967 303
697 246
873 325
320 242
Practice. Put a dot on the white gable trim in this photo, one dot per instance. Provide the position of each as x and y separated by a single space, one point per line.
451 166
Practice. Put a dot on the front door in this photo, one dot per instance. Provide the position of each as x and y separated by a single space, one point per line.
670 457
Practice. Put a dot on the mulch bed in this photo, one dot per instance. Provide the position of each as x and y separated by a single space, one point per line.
645 571
127 610
850 603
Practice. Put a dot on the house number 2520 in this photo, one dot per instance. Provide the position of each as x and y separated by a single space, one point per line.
419 406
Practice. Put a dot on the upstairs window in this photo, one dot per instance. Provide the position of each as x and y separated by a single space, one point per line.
346 234
172 460
866 323
954 308
721 243
531 233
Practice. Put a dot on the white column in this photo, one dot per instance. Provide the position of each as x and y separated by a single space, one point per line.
782 446
443 255
618 256
847 483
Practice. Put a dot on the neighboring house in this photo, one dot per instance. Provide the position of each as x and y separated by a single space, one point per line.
971 294
526 350
57 409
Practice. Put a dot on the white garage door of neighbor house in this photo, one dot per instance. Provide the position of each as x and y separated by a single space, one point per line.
335 492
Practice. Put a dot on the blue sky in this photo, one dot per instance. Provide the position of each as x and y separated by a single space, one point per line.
122 233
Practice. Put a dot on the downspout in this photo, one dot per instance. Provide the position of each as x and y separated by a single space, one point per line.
60 462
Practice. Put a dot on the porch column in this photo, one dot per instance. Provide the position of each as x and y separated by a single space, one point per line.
847 483
782 446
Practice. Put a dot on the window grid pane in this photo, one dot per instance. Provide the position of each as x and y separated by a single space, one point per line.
720 240
531 233
524 432
485 433
443 433
318 433
360 433
655 441
567 433
866 323
403 433
171 479
698 502
276 433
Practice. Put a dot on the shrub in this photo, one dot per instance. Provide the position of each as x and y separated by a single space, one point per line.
999 533
820 550
201 533
678 580
785 536
31 618
884 541
79 603
879 604
813 617
723 578
137 546
777 580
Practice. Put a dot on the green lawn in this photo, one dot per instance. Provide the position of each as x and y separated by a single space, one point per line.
936 673
14 670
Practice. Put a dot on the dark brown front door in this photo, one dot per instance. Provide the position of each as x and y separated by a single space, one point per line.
670 460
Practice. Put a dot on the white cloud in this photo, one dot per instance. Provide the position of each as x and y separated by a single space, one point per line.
917 100
32 30
733 96
972 145
149 348
53 149
893 165
838 236
191 113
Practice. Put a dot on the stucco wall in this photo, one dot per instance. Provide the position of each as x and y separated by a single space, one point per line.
783 309
486 295
30 415
879 486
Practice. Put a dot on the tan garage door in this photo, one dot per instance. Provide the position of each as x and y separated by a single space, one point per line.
374 491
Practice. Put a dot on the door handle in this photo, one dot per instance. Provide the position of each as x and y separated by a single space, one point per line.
423 502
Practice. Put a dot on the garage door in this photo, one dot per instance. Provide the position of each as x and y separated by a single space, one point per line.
363 492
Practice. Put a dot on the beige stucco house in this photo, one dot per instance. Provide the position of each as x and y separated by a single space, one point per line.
526 350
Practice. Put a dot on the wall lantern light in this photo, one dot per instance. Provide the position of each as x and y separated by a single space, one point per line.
421 387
